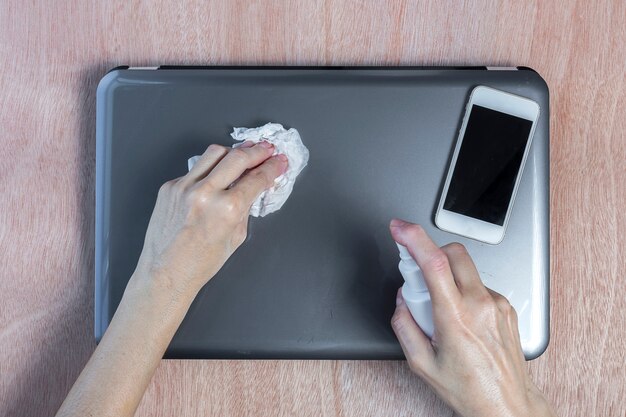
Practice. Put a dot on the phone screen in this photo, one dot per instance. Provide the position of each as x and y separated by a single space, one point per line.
487 165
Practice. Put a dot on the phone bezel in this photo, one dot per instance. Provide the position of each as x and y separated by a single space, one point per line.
505 103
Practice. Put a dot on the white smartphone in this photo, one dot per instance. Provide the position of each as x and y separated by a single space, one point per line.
487 165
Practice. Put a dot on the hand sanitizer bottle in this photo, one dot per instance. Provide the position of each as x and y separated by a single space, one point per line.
415 292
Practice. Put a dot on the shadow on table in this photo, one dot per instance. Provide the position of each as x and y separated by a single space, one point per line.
69 341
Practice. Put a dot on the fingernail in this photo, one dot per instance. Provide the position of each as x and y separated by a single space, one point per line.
266 144
247 144
397 223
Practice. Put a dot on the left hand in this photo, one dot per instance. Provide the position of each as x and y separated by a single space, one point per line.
200 219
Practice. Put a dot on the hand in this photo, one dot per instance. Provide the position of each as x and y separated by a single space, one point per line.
474 361
200 219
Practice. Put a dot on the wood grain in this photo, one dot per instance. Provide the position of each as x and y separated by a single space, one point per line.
52 56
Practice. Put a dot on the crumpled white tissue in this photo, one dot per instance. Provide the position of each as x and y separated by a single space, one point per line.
286 142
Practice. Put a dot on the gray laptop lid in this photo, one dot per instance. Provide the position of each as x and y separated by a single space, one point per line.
318 278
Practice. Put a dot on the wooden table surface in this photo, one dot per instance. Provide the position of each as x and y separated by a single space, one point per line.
54 52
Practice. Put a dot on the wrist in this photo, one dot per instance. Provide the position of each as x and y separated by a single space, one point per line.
530 402
162 286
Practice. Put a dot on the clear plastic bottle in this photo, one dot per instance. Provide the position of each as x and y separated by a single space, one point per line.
415 292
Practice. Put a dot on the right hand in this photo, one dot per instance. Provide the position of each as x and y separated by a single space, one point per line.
474 361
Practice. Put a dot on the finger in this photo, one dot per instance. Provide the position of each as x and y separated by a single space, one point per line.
515 329
415 344
510 320
501 302
237 161
209 159
507 309
431 259
259 179
247 144
463 270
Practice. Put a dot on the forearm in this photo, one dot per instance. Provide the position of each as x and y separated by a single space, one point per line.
197 223
116 376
